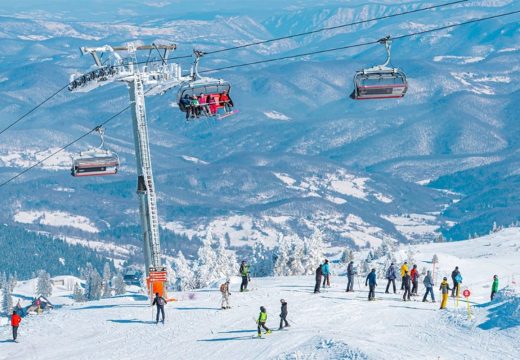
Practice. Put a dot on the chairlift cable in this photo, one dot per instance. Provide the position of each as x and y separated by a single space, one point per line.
418 33
244 46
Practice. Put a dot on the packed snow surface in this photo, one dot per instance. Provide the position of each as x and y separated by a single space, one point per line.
329 325
55 218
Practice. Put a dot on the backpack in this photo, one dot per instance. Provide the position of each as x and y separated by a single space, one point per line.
223 288
160 301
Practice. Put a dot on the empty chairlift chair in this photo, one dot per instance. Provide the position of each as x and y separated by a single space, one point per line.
95 161
380 82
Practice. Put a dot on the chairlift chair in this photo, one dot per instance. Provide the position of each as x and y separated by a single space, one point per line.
95 161
382 81
202 85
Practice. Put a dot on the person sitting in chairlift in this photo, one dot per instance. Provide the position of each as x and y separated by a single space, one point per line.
195 108
203 103
226 100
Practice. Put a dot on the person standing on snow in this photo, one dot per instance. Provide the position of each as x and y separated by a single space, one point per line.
371 282
325 269
15 322
244 272
457 280
319 274
262 319
224 291
445 289
406 280
391 276
494 287
283 315
351 272
404 268
159 302
414 274
428 283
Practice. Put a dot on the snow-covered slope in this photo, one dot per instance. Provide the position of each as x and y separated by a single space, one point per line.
330 325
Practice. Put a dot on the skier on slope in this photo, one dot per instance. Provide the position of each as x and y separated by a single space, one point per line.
494 287
224 291
445 289
414 274
15 323
428 283
244 272
326 273
283 315
351 272
262 319
404 268
319 274
390 276
159 302
457 279
406 281
371 282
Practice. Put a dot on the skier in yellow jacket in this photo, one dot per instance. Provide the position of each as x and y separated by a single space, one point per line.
445 289
404 269
262 318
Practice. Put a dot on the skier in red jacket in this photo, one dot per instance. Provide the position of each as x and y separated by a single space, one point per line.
15 322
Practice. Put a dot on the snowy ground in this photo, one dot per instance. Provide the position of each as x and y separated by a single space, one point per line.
331 325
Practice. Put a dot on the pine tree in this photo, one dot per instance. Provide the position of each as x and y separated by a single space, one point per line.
226 262
184 275
119 284
262 260
107 275
7 299
295 258
344 256
44 285
313 252
207 260
281 256
3 280
93 283
78 294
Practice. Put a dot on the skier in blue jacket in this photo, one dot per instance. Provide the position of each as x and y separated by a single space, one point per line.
391 276
371 282
326 273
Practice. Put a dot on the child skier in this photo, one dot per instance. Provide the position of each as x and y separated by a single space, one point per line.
445 289
283 315
224 290
262 318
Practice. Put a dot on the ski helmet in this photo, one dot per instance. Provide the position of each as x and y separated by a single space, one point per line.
262 309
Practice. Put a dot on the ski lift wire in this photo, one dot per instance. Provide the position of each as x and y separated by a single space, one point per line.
244 46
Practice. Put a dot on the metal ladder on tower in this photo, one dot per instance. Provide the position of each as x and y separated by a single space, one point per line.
146 165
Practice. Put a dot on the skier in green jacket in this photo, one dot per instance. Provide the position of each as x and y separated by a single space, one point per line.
494 287
262 318
244 272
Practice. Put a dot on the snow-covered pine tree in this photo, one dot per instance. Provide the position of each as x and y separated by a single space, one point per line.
119 284
226 263
107 276
296 254
262 260
44 285
93 283
184 275
3 280
7 299
77 293
206 262
13 280
281 256
313 252
435 259
366 267
344 256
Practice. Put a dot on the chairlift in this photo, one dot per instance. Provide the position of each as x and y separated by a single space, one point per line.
381 81
204 96
95 161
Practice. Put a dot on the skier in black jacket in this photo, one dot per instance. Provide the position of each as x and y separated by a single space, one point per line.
319 274
283 314
350 275
159 301
406 284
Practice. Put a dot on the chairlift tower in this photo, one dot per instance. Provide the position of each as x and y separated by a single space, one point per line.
153 76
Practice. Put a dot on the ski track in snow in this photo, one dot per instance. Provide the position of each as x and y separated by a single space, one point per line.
330 325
